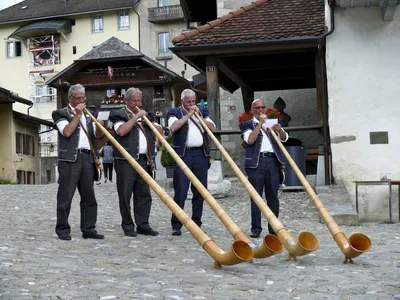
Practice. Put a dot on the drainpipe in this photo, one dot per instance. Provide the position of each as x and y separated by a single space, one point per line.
325 128
138 20
30 106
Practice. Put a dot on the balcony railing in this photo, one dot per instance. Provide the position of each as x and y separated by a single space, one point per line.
44 98
165 14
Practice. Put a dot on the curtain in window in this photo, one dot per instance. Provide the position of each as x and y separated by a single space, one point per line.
163 43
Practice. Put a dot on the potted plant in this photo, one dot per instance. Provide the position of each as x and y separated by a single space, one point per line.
167 160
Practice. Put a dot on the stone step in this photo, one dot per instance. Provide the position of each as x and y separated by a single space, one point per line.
337 201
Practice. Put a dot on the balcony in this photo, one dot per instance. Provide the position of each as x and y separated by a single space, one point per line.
165 14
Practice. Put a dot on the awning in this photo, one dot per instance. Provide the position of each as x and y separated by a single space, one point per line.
40 28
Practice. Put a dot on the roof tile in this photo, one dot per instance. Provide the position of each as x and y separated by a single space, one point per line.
261 20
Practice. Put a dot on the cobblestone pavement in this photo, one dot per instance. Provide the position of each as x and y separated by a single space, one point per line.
35 264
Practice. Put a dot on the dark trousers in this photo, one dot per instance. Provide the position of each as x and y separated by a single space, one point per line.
108 170
265 176
198 164
72 175
130 182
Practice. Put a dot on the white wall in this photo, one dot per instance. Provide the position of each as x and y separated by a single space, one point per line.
363 69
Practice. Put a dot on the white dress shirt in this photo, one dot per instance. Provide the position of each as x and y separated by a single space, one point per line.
194 138
266 144
142 138
83 140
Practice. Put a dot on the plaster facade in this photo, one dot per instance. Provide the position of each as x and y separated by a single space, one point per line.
363 66
10 160
81 37
149 40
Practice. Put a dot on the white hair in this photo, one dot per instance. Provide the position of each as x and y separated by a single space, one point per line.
76 87
132 91
187 92
257 100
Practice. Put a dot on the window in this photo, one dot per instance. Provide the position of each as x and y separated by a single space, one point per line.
97 23
44 93
163 43
123 20
14 49
25 177
30 177
30 145
162 3
110 92
25 144
20 177
20 142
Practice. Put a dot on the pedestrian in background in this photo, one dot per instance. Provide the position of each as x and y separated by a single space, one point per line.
106 152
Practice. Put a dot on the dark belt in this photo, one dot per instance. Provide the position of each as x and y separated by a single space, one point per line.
193 148
141 155
267 154
81 151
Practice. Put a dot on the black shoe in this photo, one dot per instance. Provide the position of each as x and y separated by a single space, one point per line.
93 235
148 231
131 233
255 234
64 236
176 232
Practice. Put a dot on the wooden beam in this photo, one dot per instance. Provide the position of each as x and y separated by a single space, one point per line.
245 48
232 75
318 85
213 90
248 97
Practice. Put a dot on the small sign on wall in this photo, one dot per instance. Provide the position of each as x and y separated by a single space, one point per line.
232 107
210 69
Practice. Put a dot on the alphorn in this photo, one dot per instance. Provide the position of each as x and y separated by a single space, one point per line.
271 244
239 252
351 248
306 243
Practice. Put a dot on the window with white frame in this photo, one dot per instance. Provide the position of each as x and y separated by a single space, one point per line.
162 3
45 93
123 20
13 49
163 43
97 23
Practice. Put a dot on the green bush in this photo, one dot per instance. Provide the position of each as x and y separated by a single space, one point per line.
166 158
7 181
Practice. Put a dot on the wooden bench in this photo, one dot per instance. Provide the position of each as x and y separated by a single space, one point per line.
312 154
312 161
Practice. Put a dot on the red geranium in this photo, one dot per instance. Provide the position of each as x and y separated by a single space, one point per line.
271 113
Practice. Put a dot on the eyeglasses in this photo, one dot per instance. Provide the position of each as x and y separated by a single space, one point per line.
79 98
258 107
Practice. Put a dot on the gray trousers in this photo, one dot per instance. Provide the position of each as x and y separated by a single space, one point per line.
72 175
130 182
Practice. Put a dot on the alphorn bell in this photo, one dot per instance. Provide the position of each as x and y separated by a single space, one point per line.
239 252
271 244
306 243
351 248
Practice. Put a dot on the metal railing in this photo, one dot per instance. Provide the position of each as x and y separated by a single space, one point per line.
44 98
165 14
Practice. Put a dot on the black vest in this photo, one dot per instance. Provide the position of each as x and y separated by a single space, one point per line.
130 141
68 147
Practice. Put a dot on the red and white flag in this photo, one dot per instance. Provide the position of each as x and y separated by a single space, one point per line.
110 72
